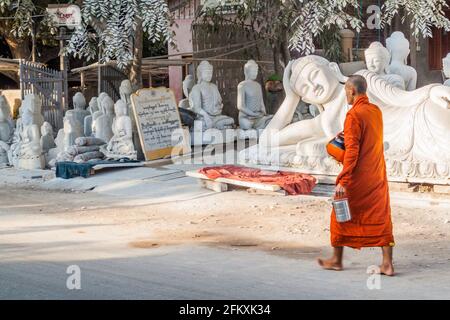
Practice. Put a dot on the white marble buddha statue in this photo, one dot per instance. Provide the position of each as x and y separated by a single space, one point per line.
121 144
99 111
103 124
446 69
188 84
250 101
206 102
125 90
33 105
398 47
93 107
377 60
65 139
29 152
79 108
416 123
47 139
71 131
6 130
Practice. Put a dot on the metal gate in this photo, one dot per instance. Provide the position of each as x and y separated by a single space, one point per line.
110 79
48 84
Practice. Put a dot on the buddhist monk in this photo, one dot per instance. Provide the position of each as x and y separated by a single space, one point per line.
363 181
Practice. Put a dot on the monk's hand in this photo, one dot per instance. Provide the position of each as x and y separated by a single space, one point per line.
339 191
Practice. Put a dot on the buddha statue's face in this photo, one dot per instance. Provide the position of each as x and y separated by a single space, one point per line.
93 105
79 102
125 87
120 108
107 105
206 74
376 63
398 46
251 71
46 129
316 83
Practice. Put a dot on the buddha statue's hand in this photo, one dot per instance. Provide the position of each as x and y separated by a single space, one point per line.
287 80
208 121
441 96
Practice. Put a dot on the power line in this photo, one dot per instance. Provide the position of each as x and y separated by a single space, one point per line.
12 18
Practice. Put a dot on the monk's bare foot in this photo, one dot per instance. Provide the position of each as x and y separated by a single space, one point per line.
330 264
387 269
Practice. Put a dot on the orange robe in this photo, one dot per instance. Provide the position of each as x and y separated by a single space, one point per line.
364 177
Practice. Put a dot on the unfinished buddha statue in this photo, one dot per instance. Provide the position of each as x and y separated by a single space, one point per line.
398 47
93 107
79 108
6 130
26 151
103 124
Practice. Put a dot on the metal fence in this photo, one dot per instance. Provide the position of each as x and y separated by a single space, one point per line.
48 84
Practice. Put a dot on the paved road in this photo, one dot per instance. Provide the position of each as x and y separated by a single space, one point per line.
36 249
34 261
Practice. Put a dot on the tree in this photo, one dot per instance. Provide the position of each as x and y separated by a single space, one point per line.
114 30
23 23
422 14
287 24
298 24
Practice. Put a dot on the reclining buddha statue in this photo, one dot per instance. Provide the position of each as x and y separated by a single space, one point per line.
416 123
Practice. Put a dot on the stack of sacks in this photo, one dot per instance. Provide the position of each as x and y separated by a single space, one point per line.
84 150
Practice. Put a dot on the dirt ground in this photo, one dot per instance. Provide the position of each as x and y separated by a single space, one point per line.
293 226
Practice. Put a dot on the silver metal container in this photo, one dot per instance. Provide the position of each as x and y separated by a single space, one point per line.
342 210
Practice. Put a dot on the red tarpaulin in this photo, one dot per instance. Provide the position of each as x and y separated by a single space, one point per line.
292 182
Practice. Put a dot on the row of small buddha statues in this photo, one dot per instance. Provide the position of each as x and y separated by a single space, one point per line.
102 131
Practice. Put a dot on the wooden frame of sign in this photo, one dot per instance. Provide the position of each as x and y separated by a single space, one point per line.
157 117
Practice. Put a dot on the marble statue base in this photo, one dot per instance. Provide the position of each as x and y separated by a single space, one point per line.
32 163
4 158
286 158
114 156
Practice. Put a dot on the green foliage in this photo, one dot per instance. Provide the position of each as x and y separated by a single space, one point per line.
423 15
109 28
330 41
275 77
23 17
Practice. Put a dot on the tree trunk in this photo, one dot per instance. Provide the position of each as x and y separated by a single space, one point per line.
19 48
136 66
276 58
285 47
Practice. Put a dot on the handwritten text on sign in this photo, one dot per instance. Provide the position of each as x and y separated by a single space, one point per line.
157 116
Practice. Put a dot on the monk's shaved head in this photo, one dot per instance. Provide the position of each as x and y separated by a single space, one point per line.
359 83
355 86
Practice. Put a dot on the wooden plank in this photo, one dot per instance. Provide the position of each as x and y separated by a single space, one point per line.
254 185
267 193
117 165
213 185
247 184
